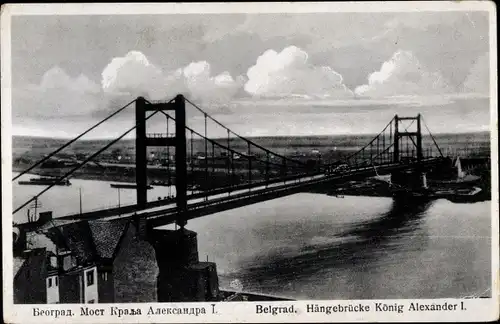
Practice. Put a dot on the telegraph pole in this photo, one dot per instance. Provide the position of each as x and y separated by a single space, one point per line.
119 202
80 191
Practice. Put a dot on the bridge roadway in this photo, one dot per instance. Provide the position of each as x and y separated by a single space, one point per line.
164 212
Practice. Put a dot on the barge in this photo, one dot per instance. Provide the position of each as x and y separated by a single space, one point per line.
127 186
44 181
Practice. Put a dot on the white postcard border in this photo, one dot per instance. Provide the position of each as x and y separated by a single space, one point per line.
477 309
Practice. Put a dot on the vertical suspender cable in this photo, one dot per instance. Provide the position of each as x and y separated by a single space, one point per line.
206 160
249 167
267 168
384 156
213 158
169 178
378 143
371 153
229 161
390 136
192 165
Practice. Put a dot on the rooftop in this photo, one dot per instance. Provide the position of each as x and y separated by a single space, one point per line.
90 241
18 263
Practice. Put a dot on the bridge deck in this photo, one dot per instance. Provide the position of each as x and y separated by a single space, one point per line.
201 205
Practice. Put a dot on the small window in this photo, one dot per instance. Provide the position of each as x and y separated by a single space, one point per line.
105 276
90 278
50 282
56 281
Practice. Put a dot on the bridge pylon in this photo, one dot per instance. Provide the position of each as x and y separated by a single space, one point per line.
142 141
415 137
416 178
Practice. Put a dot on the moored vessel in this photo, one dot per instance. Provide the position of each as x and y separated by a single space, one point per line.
45 181
127 186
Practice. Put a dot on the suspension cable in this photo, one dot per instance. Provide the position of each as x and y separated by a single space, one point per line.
229 149
434 140
381 153
362 149
72 141
80 165
239 136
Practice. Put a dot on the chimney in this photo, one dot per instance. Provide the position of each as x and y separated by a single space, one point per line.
19 240
65 261
44 217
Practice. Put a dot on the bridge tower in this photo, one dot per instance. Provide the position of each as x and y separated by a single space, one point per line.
181 276
142 141
415 179
415 137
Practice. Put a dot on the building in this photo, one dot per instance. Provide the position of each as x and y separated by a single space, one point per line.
69 263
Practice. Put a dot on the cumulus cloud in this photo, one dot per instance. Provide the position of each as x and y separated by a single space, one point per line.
134 74
478 79
79 99
288 73
57 79
57 95
403 75
202 86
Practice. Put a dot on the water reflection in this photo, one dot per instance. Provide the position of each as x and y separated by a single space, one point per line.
360 244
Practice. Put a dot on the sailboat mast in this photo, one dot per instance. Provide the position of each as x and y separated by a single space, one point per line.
458 165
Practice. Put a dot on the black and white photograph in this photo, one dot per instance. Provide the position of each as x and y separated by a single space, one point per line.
285 162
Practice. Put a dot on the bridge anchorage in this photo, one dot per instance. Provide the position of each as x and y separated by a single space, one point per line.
232 172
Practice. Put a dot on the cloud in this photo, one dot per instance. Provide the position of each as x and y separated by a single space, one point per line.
288 74
58 95
403 75
202 86
134 74
57 79
78 101
478 80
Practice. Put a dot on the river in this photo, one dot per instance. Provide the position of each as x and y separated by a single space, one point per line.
316 246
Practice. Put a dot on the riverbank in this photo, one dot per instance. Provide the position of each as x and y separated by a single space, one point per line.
215 178
86 173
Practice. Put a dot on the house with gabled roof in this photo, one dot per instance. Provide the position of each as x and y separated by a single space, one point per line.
74 260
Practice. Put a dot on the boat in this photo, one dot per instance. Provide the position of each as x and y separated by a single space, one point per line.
462 180
469 195
45 181
127 186
161 183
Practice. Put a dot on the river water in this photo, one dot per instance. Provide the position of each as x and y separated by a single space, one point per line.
316 246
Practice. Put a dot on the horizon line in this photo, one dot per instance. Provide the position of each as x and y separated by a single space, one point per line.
262 136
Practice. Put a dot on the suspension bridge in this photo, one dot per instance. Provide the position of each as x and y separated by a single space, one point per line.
211 174
250 176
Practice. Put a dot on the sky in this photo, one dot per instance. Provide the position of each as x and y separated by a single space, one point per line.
259 74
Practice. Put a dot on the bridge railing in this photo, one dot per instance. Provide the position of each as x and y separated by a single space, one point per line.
160 135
